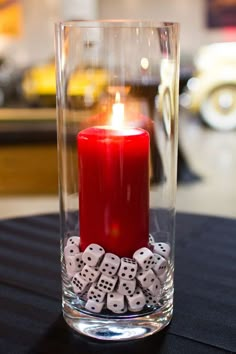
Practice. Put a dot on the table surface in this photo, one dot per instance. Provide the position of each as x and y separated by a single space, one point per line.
204 319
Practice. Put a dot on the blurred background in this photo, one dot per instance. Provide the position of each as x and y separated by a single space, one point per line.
207 121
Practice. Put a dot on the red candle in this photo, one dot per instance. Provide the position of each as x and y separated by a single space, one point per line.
114 188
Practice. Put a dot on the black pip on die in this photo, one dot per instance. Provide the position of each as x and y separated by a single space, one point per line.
105 281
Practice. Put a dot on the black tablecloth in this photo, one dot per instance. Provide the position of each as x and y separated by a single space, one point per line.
205 292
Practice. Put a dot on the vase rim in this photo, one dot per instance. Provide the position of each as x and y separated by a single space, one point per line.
120 23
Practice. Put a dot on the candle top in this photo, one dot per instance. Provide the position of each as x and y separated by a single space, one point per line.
101 131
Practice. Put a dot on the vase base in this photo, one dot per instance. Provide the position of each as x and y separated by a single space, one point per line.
118 329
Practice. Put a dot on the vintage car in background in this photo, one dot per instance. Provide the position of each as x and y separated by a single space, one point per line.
84 87
211 91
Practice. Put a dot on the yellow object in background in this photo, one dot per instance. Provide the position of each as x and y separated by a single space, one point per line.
10 18
85 86
39 80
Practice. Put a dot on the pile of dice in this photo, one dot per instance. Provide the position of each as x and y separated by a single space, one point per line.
105 280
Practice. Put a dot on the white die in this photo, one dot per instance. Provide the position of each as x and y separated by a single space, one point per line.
155 288
94 306
115 301
163 277
126 287
70 274
161 265
95 294
74 264
162 248
71 251
145 258
151 239
107 284
146 279
90 274
128 268
136 301
136 309
84 295
110 264
73 240
120 311
93 254
71 268
152 300
79 285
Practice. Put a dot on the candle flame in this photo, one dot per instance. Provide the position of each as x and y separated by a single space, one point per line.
117 98
117 112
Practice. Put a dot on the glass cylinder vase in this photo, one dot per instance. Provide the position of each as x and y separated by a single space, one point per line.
117 110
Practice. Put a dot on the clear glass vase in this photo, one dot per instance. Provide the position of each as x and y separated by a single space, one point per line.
117 109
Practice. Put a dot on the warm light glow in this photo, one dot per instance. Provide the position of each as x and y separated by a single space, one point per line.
144 63
117 112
